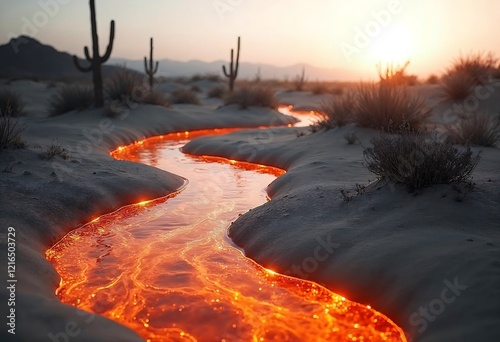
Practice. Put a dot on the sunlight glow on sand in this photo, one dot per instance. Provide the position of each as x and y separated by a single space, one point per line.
165 269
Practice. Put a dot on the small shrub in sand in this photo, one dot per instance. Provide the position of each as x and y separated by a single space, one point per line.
128 87
466 72
383 105
55 150
456 86
336 112
251 96
183 95
217 92
71 97
419 160
432 79
478 128
10 130
351 138
11 102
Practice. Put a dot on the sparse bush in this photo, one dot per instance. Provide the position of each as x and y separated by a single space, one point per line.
55 150
457 86
217 92
10 102
479 128
186 96
252 96
419 160
71 97
336 112
467 72
10 130
351 138
382 105
128 87
432 79
479 66
394 74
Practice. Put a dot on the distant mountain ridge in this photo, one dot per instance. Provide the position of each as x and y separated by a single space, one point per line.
172 68
26 57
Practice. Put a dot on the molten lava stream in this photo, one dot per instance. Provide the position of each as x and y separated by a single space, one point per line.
165 269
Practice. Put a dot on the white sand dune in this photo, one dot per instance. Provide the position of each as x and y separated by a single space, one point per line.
43 200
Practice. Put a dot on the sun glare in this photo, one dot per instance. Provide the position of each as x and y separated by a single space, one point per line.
396 45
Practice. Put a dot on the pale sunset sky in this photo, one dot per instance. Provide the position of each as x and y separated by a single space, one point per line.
340 34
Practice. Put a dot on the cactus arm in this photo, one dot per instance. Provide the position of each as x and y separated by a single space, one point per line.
225 71
111 41
87 54
156 67
146 65
237 60
79 67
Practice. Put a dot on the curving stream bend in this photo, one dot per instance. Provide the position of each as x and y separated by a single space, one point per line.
166 269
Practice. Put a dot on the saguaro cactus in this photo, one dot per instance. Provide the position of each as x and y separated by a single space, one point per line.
96 60
233 69
150 71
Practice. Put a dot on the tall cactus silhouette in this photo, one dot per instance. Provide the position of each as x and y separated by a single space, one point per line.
150 71
233 69
96 60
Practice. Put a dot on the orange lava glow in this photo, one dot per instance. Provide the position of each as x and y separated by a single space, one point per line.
306 117
166 269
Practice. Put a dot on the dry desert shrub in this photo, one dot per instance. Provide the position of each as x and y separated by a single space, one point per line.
217 92
10 130
128 87
185 96
466 72
477 128
55 150
419 160
251 96
336 112
384 105
71 97
10 102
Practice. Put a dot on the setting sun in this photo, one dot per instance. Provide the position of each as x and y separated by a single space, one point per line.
397 46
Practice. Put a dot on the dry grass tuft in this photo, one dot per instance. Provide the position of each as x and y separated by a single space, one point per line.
336 112
184 96
478 128
467 72
252 96
11 102
71 97
10 130
384 105
55 150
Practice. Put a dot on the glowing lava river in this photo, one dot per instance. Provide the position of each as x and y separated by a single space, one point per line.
166 269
